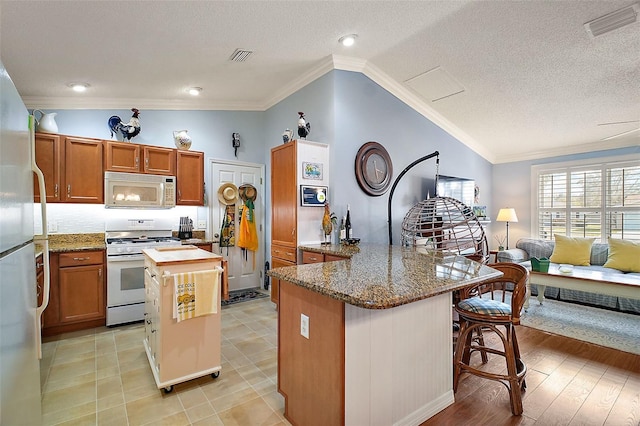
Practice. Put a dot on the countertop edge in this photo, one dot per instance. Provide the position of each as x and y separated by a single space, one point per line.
347 293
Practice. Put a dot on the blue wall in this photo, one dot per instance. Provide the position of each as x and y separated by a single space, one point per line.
210 130
512 188
345 110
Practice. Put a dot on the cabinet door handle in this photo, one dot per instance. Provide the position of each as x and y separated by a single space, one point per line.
276 251
100 272
137 161
69 190
293 232
313 258
179 195
146 163
81 258
55 190
39 265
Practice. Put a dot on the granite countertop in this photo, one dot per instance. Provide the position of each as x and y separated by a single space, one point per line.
334 249
60 243
378 276
198 241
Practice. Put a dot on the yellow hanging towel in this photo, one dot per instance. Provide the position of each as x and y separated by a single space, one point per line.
196 294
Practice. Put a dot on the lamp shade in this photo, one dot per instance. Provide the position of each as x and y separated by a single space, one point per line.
507 215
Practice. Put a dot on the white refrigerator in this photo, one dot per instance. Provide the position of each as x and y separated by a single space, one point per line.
19 315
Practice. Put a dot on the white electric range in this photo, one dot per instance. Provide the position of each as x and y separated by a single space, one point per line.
125 240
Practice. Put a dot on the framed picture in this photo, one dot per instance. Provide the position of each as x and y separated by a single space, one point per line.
480 211
311 170
313 196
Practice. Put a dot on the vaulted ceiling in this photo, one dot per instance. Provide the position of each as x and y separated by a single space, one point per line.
513 80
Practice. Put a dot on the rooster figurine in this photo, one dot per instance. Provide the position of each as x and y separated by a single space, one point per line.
304 128
328 220
129 130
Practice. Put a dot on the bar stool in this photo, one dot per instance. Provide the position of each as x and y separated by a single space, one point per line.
484 306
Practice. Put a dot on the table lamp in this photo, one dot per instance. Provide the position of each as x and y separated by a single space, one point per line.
507 215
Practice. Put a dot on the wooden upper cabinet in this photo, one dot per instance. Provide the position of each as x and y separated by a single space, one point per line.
159 161
284 204
133 158
83 176
190 178
48 159
121 157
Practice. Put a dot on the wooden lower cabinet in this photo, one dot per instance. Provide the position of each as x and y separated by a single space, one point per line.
311 372
313 257
78 292
204 246
275 283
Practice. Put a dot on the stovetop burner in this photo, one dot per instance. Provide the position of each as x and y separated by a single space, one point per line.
134 240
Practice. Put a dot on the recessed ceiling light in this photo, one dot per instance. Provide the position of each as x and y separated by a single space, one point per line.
194 91
348 40
79 87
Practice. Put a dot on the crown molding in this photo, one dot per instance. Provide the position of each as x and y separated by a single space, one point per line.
330 63
566 150
325 66
348 63
417 103
32 102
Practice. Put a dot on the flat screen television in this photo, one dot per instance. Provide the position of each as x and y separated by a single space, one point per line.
462 189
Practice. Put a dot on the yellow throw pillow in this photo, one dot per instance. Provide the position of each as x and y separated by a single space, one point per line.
574 251
624 255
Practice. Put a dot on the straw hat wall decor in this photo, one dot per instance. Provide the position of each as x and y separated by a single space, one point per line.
247 192
228 194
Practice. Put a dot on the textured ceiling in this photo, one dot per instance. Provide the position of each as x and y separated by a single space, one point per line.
534 84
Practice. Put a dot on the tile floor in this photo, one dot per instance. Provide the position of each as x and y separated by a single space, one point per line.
102 376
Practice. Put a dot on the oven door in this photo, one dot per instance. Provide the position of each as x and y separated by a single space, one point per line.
125 280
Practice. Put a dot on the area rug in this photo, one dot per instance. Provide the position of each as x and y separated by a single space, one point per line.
237 296
615 330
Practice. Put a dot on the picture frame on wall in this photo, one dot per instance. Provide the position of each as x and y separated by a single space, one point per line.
313 196
311 170
480 211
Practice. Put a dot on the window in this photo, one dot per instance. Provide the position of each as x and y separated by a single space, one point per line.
583 199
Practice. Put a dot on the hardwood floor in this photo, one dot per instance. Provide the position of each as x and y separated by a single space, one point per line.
569 382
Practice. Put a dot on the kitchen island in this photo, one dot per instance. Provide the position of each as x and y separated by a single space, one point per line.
368 340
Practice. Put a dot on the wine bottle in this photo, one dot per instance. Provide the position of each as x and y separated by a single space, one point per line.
343 232
347 224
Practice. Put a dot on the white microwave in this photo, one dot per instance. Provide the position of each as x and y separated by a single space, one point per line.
131 190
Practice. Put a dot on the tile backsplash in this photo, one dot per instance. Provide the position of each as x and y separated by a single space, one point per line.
90 218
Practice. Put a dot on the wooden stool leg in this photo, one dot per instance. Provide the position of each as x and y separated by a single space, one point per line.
515 393
462 352
516 350
480 338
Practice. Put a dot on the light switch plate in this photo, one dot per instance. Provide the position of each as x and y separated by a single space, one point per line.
202 224
304 325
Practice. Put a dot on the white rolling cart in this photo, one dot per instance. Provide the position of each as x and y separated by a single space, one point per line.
179 351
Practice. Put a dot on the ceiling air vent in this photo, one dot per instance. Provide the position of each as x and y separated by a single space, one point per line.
613 20
240 55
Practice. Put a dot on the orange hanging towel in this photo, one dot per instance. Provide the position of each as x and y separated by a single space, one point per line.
248 235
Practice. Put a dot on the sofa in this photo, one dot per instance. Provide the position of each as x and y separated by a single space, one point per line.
526 248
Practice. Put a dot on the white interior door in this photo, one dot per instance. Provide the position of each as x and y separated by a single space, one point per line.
244 272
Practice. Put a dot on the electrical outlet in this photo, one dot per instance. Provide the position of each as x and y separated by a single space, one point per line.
52 226
304 325
202 224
